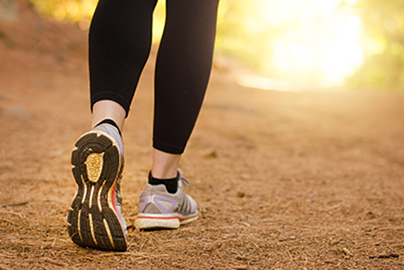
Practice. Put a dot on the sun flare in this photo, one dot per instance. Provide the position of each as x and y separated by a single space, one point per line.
319 40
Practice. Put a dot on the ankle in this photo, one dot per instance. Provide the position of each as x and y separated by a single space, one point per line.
165 165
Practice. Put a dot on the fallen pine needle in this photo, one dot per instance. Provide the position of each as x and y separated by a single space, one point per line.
347 252
14 204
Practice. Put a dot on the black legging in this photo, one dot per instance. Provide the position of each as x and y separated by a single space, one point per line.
119 45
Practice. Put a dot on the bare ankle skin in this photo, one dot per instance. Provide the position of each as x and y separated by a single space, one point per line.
165 165
108 109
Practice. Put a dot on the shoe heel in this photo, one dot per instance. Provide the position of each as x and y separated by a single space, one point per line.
92 220
154 223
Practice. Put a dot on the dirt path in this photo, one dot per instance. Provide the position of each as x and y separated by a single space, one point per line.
283 180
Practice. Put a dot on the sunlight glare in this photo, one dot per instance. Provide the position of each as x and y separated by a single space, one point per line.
351 2
319 41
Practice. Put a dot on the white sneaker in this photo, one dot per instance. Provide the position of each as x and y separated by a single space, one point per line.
95 219
160 209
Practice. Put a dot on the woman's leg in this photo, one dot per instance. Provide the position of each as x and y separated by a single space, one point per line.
119 45
182 71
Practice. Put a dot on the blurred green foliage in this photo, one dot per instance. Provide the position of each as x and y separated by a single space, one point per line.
383 44
66 10
242 34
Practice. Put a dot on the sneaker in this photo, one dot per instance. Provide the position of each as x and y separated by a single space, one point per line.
160 209
95 219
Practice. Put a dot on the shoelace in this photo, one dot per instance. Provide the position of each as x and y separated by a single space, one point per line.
185 181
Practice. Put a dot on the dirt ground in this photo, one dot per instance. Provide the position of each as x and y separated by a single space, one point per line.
309 180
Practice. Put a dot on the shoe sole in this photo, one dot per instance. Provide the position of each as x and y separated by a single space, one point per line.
170 221
92 219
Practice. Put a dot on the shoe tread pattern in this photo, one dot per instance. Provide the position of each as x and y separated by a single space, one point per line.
85 214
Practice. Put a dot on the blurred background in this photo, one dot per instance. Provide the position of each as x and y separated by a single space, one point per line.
291 44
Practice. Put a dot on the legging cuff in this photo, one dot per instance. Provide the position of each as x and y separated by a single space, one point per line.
171 149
